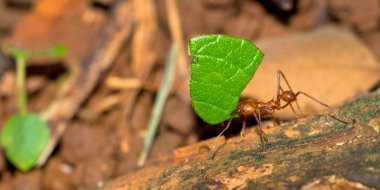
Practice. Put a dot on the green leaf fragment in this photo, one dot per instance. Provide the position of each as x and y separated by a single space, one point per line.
56 51
24 137
221 68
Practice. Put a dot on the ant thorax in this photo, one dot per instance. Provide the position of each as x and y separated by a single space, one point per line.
267 108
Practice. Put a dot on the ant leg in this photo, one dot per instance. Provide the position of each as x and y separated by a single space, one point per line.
263 136
217 138
298 107
291 106
323 104
284 106
242 133
311 97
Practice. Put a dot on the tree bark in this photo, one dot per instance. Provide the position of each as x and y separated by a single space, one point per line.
315 152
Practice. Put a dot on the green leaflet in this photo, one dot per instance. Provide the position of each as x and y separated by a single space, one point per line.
24 137
221 68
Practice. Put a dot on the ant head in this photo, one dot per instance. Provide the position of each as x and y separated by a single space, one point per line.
288 96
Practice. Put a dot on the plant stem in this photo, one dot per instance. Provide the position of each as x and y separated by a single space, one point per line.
20 84
159 104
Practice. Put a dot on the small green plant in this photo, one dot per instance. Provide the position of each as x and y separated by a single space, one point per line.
25 135
221 68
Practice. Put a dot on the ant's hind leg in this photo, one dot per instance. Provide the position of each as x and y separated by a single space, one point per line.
217 138
242 132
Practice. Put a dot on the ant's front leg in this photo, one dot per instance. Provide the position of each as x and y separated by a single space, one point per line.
327 106
311 97
291 106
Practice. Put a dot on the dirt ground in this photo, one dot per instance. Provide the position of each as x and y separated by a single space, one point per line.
117 51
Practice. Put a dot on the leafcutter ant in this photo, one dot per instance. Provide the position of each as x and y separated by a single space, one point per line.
258 109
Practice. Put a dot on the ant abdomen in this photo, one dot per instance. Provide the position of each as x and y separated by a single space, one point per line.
246 108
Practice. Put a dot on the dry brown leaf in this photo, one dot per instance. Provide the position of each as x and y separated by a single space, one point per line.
144 54
359 15
330 64
179 116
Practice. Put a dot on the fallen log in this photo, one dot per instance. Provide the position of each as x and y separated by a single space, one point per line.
315 152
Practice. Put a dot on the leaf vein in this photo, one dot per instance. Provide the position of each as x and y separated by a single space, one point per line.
217 85
213 106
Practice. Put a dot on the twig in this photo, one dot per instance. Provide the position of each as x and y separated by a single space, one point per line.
20 83
177 37
144 45
82 83
159 104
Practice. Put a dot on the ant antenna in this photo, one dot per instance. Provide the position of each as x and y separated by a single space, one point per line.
281 91
279 74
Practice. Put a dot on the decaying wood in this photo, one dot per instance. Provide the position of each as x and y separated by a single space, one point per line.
309 153
82 82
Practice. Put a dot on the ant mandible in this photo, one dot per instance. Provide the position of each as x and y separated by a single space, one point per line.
249 107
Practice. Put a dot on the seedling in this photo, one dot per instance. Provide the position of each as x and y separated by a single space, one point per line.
25 135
